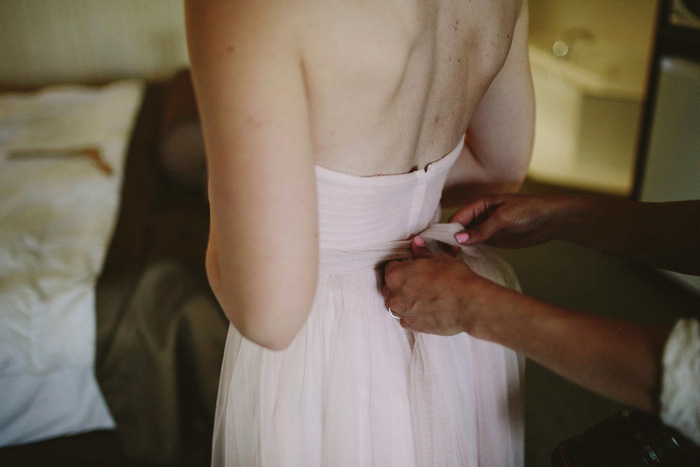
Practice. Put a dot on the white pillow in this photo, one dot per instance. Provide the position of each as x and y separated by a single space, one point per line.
57 215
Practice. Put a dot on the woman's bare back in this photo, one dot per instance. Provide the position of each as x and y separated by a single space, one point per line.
391 86
359 86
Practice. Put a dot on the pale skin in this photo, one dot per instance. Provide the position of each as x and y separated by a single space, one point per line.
622 360
380 87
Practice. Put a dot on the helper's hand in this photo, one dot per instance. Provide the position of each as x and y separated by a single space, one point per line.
436 293
508 221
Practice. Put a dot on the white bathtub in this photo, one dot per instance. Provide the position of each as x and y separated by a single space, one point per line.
589 100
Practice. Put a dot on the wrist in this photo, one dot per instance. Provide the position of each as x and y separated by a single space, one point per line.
487 309
566 216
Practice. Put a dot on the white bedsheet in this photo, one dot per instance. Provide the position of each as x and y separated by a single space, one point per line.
57 215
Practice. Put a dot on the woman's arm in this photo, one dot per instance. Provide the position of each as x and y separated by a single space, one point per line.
501 132
612 357
439 294
664 235
249 82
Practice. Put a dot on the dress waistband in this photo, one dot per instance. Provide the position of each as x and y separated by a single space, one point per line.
349 261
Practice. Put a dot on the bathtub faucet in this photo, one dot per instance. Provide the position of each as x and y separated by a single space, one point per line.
563 44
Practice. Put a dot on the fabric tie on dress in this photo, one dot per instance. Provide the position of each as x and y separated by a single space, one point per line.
481 260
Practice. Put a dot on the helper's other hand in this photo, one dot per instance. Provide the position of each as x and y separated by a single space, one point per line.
508 221
436 293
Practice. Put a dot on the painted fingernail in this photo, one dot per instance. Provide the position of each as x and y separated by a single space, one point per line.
462 237
418 241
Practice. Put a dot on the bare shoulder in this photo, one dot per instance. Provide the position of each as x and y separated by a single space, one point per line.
228 26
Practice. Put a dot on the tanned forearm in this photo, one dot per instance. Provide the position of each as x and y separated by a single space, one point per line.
665 235
615 358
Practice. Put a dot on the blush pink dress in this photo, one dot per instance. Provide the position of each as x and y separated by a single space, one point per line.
354 388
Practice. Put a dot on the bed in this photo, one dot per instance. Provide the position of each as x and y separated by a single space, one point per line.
110 338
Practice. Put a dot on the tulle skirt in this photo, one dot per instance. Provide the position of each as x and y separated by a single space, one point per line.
355 389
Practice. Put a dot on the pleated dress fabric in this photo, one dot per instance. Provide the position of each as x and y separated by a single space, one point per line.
354 388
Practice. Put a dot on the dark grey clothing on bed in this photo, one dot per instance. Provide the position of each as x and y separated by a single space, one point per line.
160 333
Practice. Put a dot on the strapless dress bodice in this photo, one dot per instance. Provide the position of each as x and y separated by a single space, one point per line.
357 212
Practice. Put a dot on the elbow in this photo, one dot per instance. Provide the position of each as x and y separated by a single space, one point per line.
276 344
508 186
513 186
512 178
515 177
271 326
272 336
507 175
272 319
508 182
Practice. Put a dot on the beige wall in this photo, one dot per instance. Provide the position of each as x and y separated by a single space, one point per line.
623 27
57 41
